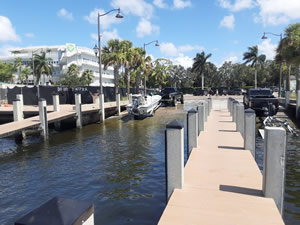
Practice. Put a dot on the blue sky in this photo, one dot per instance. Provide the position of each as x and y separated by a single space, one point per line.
225 28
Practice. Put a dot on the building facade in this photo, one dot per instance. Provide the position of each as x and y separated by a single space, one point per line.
62 56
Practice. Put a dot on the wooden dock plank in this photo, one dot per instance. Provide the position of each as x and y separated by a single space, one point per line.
222 182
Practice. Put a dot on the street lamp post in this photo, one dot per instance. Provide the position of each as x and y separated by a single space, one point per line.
145 44
280 70
97 51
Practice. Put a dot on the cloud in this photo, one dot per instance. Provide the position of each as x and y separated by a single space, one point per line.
228 22
63 13
183 60
275 12
233 59
169 49
105 21
135 7
267 48
160 4
8 32
180 4
29 35
145 27
5 50
238 5
107 35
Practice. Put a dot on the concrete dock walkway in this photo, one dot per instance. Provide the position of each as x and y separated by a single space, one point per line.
222 182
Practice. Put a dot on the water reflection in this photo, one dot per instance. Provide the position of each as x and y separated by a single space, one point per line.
117 165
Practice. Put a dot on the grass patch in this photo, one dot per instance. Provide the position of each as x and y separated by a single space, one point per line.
292 95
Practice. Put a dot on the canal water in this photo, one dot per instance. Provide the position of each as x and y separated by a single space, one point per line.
118 166
292 182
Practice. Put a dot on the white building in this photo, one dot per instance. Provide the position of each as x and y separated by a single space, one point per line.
62 56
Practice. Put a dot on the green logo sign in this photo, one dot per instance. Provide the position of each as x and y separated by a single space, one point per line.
70 48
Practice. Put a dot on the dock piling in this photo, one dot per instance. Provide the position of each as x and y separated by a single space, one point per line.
78 110
118 101
287 99
249 131
209 105
43 117
17 110
240 119
56 106
20 97
174 153
206 110
298 105
234 112
201 118
274 165
102 109
192 130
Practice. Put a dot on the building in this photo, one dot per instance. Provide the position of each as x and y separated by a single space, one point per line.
62 56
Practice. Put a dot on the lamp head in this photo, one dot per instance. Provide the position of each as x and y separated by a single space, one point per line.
264 36
96 50
156 44
119 15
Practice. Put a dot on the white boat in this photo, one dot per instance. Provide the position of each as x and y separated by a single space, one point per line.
143 106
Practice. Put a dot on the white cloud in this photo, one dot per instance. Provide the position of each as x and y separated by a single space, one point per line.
238 5
8 32
63 13
5 50
29 35
274 12
267 48
189 48
105 21
160 4
180 4
168 49
135 7
233 59
183 60
228 22
145 27
107 35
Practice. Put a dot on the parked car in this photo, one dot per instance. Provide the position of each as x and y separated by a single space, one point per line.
262 101
200 92
235 91
171 96
222 91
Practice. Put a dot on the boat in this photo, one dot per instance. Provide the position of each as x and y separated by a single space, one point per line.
143 106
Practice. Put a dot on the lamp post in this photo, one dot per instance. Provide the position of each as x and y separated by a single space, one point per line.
97 51
145 44
280 70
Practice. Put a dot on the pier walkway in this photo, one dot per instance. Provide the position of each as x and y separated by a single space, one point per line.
222 182
66 111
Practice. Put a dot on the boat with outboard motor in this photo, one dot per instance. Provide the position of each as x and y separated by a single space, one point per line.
143 106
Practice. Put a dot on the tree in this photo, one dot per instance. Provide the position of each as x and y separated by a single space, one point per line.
6 72
160 72
112 55
18 65
71 77
252 57
42 66
24 74
176 76
198 65
86 77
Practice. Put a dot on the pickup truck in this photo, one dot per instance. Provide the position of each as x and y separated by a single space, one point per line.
171 96
262 101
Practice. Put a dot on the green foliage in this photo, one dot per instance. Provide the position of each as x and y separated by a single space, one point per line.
42 66
160 72
86 77
71 77
6 72
199 66
25 72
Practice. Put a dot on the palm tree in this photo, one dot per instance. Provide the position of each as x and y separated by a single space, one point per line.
252 57
42 66
86 77
24 74
112 56
18 65
198 65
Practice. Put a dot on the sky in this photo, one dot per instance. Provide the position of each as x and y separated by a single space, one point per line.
224 28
